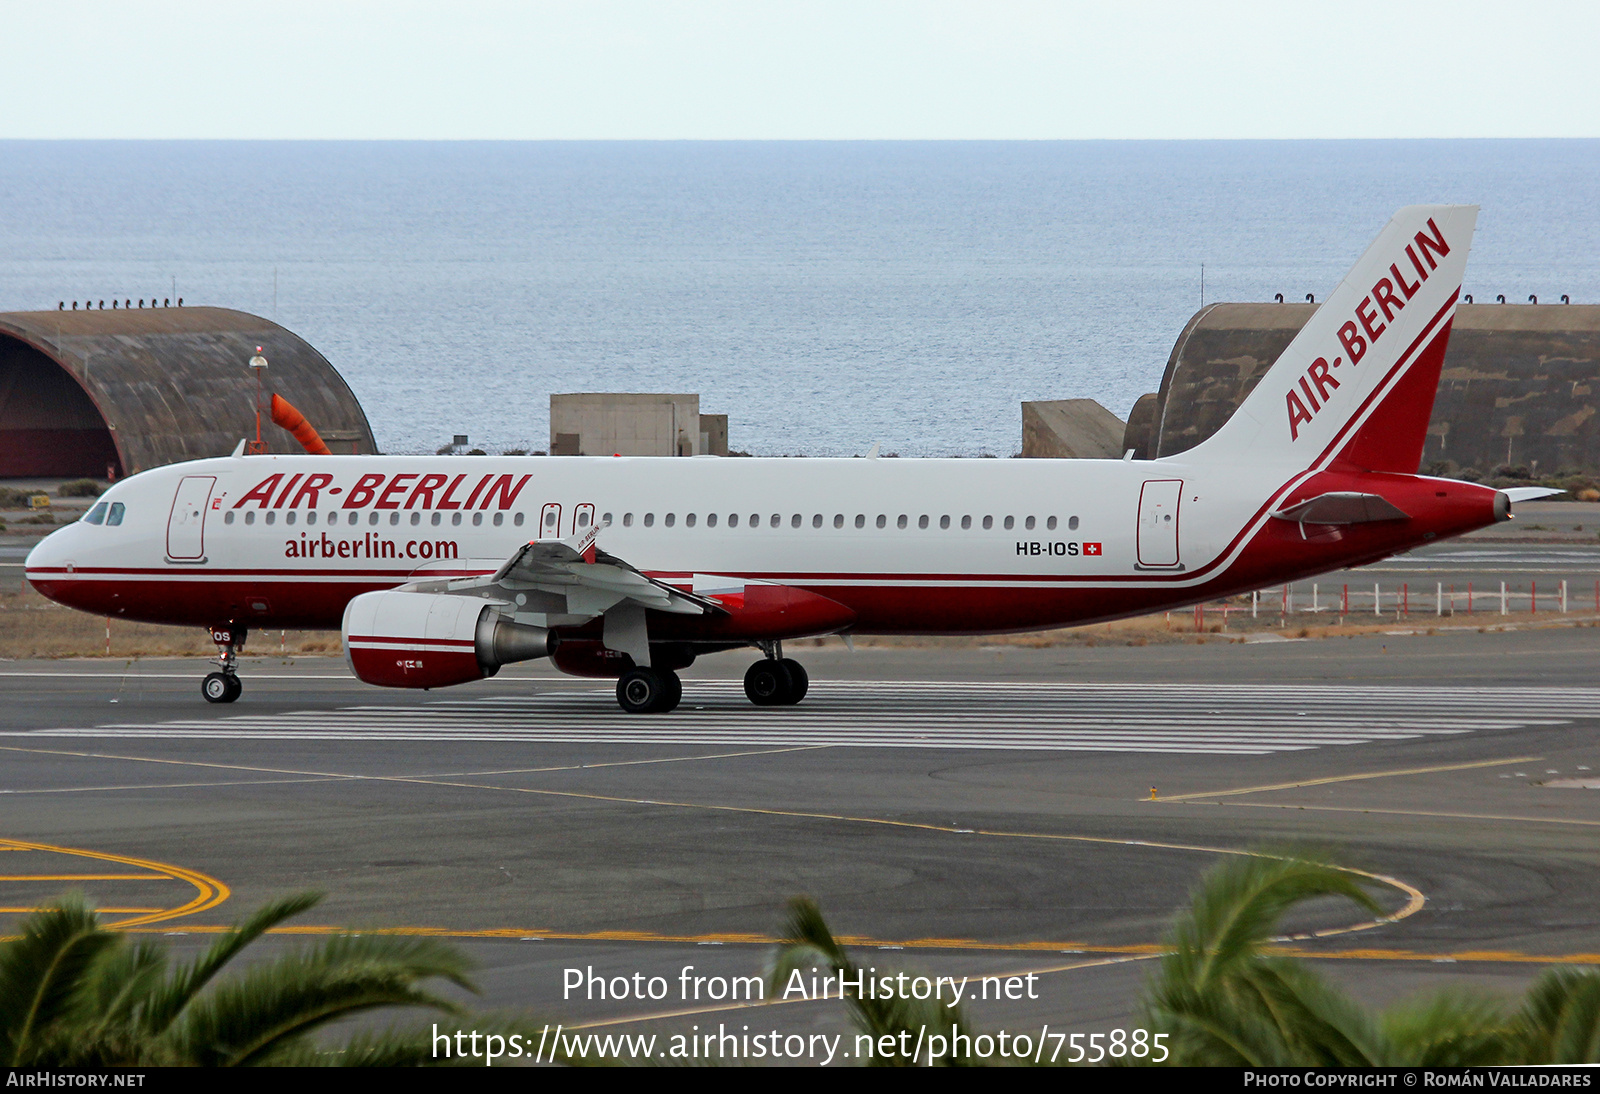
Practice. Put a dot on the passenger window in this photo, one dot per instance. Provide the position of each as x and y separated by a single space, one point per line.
1072 523
649 519
289 517
901 523
394 518
605 520
966 523
1028 524
227 518
838 520
455 518
882 520
670 519
816 520
372 517
583 518
733 520
988 523
517 519
922 522
437 517
311 517
351 519
550 517
861 520
1011 522
1051 524
499 519
944 522
477 520
416 518
97 515
114 517
688 521
249 516
711 520
776 520
794 521
627 520
272 517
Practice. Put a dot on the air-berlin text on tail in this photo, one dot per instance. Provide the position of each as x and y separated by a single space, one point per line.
403 491
1312 390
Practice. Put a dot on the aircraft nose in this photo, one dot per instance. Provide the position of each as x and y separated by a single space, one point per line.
50 563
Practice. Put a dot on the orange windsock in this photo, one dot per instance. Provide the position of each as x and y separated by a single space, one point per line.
284 414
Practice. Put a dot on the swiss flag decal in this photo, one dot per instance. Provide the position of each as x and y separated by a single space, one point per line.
1091 548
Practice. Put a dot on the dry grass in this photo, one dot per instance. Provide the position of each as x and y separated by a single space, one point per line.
31 626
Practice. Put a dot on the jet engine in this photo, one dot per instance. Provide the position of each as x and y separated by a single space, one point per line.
432 640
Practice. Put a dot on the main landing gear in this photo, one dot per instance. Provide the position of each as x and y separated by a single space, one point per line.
776 681
649 691
224 686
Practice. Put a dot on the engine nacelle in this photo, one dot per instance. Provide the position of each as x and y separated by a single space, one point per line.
432 640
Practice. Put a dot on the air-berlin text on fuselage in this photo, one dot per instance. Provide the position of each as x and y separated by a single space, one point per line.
403 491
368 545
1319 380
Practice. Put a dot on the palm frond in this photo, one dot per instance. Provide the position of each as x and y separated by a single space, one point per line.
1224 1001
272 1008
1560 1019
1448 1029
42 974
808 945
163 1005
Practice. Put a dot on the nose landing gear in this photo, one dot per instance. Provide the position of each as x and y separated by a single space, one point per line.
776 681
224 686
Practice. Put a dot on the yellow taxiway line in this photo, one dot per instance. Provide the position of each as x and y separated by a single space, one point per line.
1340 779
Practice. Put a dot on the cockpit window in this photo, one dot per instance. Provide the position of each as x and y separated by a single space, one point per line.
97 515
114 517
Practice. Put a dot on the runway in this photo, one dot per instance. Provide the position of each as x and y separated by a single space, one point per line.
1211 719
961 811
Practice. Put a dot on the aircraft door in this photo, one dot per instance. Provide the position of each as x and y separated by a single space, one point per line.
582 517
1158 522
186 523
550 521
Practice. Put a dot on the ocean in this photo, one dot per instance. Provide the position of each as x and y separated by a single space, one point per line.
826 296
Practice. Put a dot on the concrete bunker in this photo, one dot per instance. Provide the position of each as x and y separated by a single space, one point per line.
103 394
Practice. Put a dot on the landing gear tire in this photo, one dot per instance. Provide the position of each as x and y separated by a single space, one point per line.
649 691
780 683
221 687
224 686
799 681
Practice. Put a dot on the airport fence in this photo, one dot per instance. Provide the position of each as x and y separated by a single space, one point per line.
1346 601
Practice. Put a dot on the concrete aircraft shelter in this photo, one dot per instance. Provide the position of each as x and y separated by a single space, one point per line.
82 392
1520 384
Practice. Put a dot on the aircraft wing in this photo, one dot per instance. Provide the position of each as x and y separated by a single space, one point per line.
578 570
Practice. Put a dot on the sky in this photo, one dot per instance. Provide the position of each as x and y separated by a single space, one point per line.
787 70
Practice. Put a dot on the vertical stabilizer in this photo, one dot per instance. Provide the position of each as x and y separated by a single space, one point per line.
1355 388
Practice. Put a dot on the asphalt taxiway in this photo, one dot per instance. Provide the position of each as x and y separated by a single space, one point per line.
959 811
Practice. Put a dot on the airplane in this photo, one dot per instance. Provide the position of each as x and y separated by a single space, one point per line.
438 570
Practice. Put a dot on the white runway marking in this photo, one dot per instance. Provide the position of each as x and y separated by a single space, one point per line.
1217 719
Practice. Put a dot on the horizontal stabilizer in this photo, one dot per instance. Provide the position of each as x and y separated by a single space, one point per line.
1342 507
1530 493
